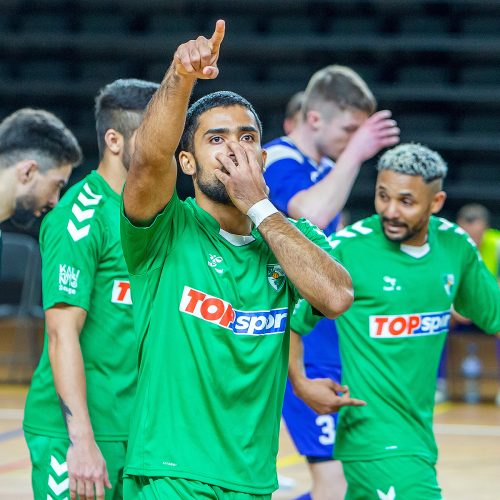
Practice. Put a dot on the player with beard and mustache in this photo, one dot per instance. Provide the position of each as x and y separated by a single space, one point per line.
214 280
37 155
408 269
87 368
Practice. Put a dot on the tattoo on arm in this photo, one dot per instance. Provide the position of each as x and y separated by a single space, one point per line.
65 411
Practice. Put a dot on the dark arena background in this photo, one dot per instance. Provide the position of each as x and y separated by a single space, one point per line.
435 64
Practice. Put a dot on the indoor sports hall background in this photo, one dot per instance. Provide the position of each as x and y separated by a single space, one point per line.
435 64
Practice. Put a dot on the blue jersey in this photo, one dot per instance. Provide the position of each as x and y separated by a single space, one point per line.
289 171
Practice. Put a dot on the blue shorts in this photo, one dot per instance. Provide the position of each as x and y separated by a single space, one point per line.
312 434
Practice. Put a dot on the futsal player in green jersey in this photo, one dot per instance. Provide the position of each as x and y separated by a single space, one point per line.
88 365
408 269
37 155
214 280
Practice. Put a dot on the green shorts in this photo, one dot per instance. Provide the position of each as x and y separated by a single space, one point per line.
49 473
400 478
175 488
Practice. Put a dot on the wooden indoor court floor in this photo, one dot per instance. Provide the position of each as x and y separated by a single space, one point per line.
468 438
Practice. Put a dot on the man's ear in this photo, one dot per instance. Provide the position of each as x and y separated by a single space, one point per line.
438 202
313 119
26 171
114 141
187 162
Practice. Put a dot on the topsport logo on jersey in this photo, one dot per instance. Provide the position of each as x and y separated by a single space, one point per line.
222 313
121 292
409 325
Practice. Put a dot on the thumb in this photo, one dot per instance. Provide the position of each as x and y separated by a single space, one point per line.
211 71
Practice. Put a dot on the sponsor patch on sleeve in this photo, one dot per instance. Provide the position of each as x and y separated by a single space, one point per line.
121 292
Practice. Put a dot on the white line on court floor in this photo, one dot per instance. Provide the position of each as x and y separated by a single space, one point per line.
467 430
11 414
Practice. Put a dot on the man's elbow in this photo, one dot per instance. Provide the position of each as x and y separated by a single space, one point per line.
338 302
297 210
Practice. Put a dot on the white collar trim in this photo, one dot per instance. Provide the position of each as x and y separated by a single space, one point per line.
238 240
417 252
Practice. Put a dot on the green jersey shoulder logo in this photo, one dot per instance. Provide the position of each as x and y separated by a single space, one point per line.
275 276
448 282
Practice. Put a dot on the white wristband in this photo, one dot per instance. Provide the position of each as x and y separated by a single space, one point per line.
260 211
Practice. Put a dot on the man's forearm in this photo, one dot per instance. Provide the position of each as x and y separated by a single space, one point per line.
322 281
153 170
296 370
160 131
324 200
69 380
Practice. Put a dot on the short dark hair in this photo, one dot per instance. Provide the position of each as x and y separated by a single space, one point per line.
39 134
120 105
221 99
341 86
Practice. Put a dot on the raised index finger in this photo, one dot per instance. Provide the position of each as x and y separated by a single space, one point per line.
218 36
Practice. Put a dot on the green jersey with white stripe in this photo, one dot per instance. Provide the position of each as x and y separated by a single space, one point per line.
83 266
392 337
212 314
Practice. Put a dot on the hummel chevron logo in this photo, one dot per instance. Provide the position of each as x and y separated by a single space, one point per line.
80 214
86 201
58 488
390 495
77 234
358 226
58 468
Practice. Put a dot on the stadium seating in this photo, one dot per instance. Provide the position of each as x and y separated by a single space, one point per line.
433 62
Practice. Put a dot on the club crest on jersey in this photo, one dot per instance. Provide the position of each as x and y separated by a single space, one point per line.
121 292
448 282
409 325
219 312
275 276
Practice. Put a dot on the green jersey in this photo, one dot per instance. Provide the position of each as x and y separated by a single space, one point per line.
212 314
83 266
392 337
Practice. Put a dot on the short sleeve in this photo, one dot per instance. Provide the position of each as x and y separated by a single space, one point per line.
303 318
70 257
478 294
285 178
314 234
145 248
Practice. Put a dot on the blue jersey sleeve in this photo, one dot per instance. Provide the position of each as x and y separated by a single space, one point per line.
285 178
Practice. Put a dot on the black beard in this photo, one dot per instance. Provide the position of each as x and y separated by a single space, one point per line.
410 233
23 217
216 191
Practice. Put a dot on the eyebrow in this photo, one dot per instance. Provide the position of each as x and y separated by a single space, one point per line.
400 193
225 130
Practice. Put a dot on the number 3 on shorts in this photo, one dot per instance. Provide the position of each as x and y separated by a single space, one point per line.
327 425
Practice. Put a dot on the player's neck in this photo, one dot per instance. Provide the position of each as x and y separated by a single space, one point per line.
113 172
418 240
228 217
7 193
303 139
